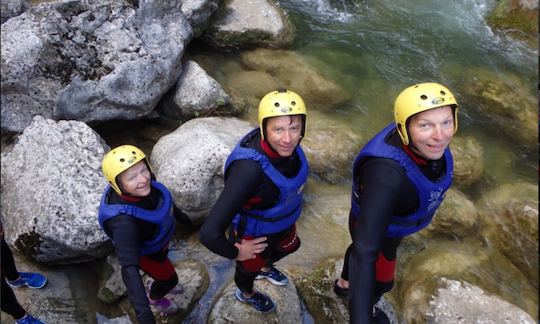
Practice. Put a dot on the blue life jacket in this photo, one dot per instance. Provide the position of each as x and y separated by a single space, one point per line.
430 194
284 214
162 216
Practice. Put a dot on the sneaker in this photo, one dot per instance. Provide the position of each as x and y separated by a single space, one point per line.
164 305
259 301
274 276
341 292
31 279
29 319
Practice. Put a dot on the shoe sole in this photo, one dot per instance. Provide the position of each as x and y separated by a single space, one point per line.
31 287
275 282
242 300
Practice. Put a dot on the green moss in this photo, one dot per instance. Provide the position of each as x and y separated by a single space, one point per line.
509 15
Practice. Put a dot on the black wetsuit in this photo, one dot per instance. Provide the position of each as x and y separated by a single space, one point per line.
385 191
9 271
246 185
127 232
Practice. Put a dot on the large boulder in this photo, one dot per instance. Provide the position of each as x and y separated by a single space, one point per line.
229 310
471 263
12 8
508 221
519 18
195 94
458 300
198 13
90 60
469 160
249 23
189 161
507 102
297 73
51 189
330 147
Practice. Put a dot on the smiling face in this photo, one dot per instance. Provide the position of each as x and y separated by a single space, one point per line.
431 131
283 133
136 181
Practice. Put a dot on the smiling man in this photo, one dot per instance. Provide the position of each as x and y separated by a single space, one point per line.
399 180
262 199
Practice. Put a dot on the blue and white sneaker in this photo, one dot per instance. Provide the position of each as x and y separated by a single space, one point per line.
29 319
274 276
259 301
31 279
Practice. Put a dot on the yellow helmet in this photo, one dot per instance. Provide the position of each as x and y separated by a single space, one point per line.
119 160
281 103
421 97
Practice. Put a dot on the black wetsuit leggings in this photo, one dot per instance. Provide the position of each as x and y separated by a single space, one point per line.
389 251
9 302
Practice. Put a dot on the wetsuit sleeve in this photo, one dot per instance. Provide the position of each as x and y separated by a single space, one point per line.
380 182
243 181
125 233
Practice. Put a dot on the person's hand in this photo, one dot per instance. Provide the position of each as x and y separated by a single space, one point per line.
248 249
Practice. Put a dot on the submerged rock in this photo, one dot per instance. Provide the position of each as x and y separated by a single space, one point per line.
51 189
469 162
189 161
509 223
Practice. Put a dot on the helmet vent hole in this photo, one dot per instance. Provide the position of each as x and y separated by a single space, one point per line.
122 160
293 103
276 104
133 152
443 93
423 97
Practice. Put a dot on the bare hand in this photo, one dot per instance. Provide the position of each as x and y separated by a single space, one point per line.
248 249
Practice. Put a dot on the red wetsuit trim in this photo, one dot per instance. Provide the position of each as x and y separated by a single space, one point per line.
384 269
157 270
415 157
131 199
269 150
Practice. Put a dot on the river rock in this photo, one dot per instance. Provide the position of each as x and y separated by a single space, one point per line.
198 13
297 74
519 18
195 94
249 23
456 217
228 309
193 280
189 161
470 263
90 60
330 147
469 160
112 288
509 222
323 304
459 302
12 8
510 105
51 189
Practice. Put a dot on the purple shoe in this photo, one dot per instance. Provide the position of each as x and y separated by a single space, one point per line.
164 305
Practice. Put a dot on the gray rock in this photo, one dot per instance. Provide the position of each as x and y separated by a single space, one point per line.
228 309
90 60
193 280
508 221
196 94
198 13
459 302
456 217
12 8
189 161
112 288
469 162
51 188
249 23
